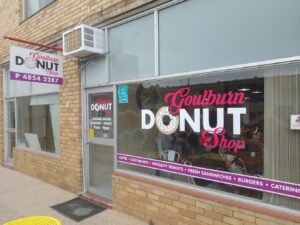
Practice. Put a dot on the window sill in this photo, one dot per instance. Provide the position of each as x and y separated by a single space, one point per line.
37 152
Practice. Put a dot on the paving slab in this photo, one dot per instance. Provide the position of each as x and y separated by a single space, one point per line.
22 196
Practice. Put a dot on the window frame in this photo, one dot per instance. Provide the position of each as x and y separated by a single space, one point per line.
9 95
205 73
25 9
17 100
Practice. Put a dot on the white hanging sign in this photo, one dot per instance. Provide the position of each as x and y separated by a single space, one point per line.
35 66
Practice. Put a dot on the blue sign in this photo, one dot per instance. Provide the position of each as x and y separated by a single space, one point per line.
123 93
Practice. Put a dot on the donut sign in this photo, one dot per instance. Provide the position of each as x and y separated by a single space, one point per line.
168 119
34 66
102 105
101 116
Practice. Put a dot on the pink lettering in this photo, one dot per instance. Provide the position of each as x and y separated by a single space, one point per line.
52 73
188 101
104 100
38 56
211 98
182 97
176 99
217 139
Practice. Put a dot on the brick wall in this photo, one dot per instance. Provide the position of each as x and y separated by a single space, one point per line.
70 128
64 169
48 24
163 205
38 164
46 27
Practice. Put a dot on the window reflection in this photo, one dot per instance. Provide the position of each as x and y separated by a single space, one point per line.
238 123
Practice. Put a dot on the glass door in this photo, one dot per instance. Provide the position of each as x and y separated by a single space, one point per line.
10 129
100 141
101 165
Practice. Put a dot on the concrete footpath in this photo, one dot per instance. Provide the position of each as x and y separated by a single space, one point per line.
22 196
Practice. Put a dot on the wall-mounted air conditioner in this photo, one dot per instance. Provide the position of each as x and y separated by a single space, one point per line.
83 40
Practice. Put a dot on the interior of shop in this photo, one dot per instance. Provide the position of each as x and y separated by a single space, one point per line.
266 99
187 144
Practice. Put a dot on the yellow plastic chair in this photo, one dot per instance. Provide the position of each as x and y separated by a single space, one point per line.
35 220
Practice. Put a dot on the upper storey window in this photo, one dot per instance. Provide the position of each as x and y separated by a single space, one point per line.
33 6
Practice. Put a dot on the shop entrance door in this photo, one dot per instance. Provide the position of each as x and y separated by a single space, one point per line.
100 141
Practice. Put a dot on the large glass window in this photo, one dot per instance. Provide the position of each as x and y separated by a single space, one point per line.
38 126
33 6
230 132
196 35
132 49
96 71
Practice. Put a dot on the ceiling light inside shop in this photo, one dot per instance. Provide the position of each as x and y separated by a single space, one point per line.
256 92
244 89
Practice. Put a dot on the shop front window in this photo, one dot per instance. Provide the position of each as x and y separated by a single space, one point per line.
38 123
229 132
132 49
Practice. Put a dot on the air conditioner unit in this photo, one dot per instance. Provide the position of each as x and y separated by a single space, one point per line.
83 40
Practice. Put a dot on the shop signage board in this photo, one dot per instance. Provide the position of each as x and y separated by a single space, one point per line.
101 116
35 66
